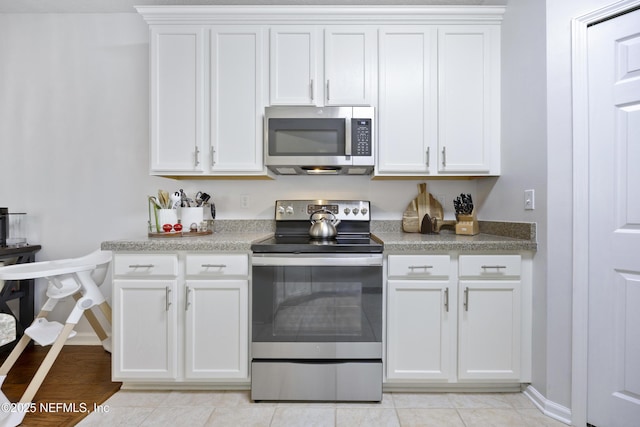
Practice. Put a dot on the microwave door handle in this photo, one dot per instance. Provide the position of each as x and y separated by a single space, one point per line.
347 137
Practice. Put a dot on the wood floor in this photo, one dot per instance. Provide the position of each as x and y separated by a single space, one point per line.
80 378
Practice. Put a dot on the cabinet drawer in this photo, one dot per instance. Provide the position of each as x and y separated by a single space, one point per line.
419 266
490 265
143 265
208 265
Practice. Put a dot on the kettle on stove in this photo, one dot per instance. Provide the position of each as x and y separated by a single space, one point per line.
323 224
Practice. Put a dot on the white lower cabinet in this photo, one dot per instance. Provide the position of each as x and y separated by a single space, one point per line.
144 329
180 318
490 318
216 333
458 319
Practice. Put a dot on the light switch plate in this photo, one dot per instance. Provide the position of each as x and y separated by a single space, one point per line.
529 200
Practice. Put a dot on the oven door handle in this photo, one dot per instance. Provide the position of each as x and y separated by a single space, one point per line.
317 261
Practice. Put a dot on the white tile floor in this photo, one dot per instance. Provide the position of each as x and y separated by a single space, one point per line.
235 409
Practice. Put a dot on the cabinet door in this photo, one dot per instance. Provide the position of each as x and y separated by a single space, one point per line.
407 100
469 99
217 329
236 99
177 99
349 63
144 329
420 330
489 330
294 77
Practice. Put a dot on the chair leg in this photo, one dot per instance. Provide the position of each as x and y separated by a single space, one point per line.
106 310
93 321
18 349
46 364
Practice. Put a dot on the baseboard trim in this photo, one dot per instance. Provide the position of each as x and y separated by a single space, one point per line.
549 408
84 338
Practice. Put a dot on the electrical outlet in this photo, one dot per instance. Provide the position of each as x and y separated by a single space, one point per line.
529 200
244 201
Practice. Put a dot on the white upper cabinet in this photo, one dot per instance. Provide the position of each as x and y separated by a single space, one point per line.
207 100
349 65
177 99
294 76
311 65
237 84
432 74
439 100
469 99
407 108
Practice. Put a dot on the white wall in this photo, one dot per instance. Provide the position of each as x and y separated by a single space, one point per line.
74 139
524 157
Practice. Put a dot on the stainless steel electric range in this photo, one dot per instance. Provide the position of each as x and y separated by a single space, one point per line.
317 305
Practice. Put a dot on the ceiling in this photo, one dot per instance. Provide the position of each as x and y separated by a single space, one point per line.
117 6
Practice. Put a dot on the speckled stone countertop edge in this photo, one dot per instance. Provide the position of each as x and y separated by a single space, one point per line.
238 235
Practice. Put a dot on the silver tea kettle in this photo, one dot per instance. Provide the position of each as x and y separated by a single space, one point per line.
323 224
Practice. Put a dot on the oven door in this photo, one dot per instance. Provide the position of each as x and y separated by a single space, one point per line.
317 306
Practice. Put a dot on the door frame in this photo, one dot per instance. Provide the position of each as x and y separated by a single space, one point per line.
580 107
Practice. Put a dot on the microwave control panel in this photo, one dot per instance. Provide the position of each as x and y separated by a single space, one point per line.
361 144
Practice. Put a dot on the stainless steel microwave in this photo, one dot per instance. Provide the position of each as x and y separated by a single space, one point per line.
319 140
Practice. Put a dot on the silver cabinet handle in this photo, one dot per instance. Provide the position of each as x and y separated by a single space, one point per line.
497 267
444 156
466 299
141 265
197 156
212 152
214 265
423 267
446 300
311 89
328 91
167 291
427 156
187 303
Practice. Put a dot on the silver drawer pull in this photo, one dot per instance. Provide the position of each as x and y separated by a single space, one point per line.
423 267
214 265
465 301
497 267
446 300
167 295
141 266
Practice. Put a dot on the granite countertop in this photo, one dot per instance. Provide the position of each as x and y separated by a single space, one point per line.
494 236
237 235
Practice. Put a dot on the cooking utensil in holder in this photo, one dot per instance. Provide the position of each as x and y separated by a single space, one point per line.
76 277
467 224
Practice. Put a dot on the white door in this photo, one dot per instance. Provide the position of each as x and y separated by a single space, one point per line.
614 230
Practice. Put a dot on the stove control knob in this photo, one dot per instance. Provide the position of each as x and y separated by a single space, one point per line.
363 211
280 209
347 211
355 211
289 210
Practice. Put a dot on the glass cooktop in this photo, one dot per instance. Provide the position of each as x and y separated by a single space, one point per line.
306 244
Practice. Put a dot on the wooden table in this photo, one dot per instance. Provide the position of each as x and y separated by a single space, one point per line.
18 289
